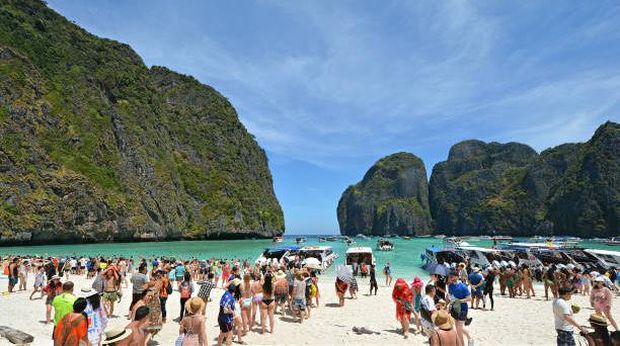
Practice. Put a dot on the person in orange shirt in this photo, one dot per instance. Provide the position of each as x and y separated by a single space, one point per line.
72 330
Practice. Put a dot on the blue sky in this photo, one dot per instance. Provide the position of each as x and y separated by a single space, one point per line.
329 87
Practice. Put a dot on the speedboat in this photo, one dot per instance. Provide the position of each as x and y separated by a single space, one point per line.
277 253
585 260
322 239
440 236
359 255
476 255
331 238
614 241
406 237
436 254
385 245
300 240
609 259
278 239
361 236
325 255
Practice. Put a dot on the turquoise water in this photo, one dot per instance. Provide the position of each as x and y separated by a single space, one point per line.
405 259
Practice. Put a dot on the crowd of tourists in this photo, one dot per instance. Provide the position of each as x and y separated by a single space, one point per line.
253 293
439 307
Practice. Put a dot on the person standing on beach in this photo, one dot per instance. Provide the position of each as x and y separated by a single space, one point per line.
459 297
563 316
72 328
206 287
476 281
24 268
39 279
186 289
445 334
139 335
387 270
139 282
110 291
489 280
427 309
601 299
226 316
402 297
373 279
63 303
97 319
13 274
53 288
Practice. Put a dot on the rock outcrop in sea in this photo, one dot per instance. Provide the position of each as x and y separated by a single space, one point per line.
492 188
391 198
96 146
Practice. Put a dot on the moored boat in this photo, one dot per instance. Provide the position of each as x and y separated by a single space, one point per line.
385 245
614 241
300 240
406 237
277 253
325 255
278 239
609 259
359 255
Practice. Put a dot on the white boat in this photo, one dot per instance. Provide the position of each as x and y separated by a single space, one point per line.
614 241
609 259
278 239
359 255
300 240
440 236
385 245
325 254
361 236
277 253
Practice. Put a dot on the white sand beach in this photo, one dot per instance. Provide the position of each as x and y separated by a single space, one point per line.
516 321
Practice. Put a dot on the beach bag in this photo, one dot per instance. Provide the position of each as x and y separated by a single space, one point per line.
407 305
169 288
185 292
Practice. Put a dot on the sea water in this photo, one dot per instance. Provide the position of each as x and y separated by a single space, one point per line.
405 259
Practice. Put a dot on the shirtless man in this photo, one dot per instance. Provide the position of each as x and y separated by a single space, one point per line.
110 291
139 337
13 274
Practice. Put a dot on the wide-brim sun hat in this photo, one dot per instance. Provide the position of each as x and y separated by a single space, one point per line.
55 277
599 278
115 334
443 320
86 292
194 305
598 320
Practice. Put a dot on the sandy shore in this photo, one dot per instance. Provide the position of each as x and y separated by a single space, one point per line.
514 321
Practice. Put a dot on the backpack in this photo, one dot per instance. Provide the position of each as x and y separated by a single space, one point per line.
169 288
185 292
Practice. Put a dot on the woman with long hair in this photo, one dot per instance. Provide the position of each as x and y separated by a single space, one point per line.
257 293
96 315
192 326
268 304
601 299
245 302
185 289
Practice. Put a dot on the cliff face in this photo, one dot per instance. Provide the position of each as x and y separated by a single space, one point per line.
95 146
571 189
391 198
476 190
586 200
492 188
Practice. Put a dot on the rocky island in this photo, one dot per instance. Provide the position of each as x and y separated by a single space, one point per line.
96 146
492 188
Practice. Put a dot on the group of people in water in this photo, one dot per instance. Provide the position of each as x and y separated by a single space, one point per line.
253 293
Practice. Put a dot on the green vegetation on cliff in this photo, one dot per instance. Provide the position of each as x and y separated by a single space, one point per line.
391 198
96 146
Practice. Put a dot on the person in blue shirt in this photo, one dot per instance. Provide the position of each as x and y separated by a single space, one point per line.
476 281
459 297
226 315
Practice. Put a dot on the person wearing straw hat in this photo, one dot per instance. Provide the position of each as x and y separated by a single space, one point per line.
192 326
117 336
445 334
600 336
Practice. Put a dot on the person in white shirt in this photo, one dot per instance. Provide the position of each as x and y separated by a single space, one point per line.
564 321
427 309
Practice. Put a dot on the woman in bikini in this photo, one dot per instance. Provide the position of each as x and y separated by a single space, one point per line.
268 304
527 281
245 302
193 324
257 292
